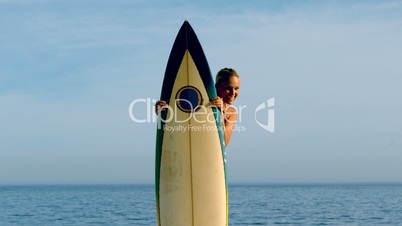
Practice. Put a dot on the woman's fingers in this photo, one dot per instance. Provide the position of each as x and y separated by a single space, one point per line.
160 105
217 102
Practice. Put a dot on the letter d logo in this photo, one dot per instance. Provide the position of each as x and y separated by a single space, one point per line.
270 126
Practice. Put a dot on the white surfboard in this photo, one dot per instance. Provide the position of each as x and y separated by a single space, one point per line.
190 180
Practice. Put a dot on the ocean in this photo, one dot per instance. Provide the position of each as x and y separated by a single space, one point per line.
287 204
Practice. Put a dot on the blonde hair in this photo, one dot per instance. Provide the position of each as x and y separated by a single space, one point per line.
224 75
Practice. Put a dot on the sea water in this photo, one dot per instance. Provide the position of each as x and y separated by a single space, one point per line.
301 204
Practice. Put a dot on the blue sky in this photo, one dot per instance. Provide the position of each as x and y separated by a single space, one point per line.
70 69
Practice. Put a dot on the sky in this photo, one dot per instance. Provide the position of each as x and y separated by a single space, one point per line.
70 69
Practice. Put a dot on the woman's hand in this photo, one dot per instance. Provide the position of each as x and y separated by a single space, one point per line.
160 106
218 102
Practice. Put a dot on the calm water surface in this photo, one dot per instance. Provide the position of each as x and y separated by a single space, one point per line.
373 204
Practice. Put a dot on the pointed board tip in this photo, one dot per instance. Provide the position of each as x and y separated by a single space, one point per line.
186 24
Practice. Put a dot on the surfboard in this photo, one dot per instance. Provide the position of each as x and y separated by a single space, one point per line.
190 165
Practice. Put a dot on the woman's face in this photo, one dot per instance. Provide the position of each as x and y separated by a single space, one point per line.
228 90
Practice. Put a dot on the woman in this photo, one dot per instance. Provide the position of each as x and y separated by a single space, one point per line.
227 86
